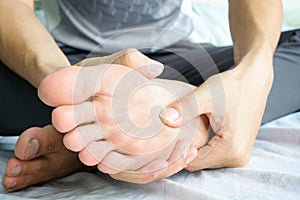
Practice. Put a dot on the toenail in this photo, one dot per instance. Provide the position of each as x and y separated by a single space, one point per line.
11 185
15 171
32 149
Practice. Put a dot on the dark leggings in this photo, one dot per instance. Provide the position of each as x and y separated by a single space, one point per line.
20 107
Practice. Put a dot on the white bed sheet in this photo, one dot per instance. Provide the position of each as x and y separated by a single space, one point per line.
273 173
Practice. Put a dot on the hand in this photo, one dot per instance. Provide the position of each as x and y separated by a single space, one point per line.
234 103
131 58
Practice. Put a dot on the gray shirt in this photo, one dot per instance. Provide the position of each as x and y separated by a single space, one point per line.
108 26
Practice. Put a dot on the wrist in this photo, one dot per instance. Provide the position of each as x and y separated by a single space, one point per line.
259 51
42 64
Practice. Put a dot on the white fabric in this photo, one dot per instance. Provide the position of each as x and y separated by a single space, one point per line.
273 173
211 23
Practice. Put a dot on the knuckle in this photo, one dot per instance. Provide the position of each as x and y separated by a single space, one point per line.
128 56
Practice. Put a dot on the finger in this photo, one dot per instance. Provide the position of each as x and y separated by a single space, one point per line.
188 107
66 118
209 156
131 58
144 178
115 162
95 152
176 162
77 139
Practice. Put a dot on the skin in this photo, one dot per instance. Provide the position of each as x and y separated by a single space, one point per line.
118 128
236 123
28 49
254 44
237 117
233 107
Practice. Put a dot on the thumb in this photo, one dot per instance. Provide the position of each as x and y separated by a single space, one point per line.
188 107
131 58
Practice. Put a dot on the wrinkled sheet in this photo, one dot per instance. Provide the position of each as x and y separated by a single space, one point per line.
272 173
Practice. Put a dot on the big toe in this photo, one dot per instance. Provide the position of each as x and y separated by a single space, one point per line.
70 85
35 142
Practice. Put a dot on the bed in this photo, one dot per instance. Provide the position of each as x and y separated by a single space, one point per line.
272 173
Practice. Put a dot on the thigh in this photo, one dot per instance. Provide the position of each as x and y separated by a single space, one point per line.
194 63
20 107
284 97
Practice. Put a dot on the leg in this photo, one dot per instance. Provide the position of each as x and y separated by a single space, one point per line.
283 98
40 157
40 153
20 105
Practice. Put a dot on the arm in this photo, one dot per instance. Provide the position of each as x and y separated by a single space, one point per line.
255 28
26 47
236 114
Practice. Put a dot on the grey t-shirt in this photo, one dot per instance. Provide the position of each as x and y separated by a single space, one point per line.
108 26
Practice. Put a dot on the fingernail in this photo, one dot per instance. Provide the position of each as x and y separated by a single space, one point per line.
11 185
191 155
170 114
154 67
15 171
32 149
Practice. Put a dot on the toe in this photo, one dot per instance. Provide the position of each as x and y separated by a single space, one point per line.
66 118
29 173
70 85
16 167
95 152
77 139
13 167
35 142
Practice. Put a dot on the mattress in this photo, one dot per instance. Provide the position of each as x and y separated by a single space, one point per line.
272 173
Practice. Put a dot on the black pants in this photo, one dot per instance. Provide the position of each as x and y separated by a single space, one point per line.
20 107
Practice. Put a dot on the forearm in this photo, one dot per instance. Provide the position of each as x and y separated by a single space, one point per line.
26 47
255 27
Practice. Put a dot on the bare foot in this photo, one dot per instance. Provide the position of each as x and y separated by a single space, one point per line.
111 114
40 157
